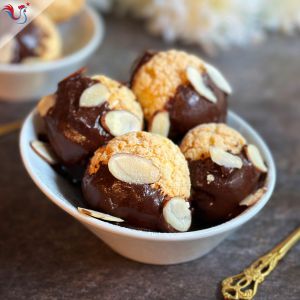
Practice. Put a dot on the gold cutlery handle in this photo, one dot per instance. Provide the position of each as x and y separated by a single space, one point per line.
244 285
10 127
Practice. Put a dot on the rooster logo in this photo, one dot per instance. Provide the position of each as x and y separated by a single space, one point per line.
20 18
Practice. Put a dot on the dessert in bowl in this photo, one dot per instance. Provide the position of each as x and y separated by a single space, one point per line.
29 75
145 197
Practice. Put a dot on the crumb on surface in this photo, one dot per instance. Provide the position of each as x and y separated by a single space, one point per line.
174 180
195 145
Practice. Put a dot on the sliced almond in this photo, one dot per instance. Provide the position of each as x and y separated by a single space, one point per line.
160 123
196 79
225 159
99 215
253 198
119 122
94 95
255 157
45 104
132 168
177 213
44 151
218 78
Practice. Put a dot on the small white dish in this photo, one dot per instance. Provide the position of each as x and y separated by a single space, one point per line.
81 37
146 247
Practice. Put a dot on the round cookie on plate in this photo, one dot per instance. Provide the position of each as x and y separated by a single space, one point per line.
227 174
142 178
38 41
87 112
63 10
179 91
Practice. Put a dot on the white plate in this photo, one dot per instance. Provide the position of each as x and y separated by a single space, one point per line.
147 247
81 37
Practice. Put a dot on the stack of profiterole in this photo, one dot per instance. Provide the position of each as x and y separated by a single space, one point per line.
95 127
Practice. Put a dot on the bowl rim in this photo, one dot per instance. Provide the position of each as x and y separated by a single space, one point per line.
89 48
158 236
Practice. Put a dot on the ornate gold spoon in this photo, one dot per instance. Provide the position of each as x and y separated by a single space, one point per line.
10 127
244 285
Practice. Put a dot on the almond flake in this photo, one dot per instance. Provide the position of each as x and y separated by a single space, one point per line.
225 159
160 123
44 151
93 96
197 81
253 198
132 168
119 122
255 157
99 215
177 213
218 78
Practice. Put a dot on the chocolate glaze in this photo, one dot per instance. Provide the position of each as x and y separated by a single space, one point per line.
188 109
72 173
67 119
139 62
140 205
28 41
218 201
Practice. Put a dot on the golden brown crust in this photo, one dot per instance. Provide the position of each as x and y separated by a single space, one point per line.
164 154
121 97
198 140
157 80
63 10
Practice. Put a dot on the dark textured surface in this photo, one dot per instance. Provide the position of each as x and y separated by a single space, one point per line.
45 254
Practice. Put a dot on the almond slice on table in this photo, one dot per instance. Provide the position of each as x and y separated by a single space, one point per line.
225 159
45 104
160 123
218 78
119 122
253 198
93 96
177 213
255 157
197 81
132 168
44 151
99 215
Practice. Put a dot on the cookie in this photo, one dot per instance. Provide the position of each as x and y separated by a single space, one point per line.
143 179
225 170
38 41
179 91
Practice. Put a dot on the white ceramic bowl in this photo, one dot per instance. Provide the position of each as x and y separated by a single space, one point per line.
146 247
81 37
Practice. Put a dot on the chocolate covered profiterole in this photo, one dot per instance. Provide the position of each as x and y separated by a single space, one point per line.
87 112
38 41
179 91
227 174
143 179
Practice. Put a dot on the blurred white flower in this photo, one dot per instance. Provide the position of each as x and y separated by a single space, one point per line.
282 15
214 23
